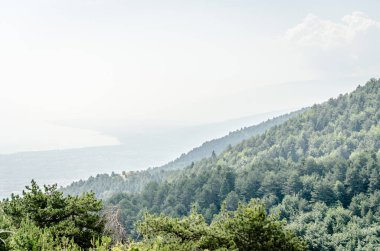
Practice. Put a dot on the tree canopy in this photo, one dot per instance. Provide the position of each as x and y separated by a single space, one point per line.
45 212
328 155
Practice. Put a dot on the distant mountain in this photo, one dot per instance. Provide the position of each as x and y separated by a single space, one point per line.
104 185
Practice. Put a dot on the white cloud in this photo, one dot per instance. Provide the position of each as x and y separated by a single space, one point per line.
314 31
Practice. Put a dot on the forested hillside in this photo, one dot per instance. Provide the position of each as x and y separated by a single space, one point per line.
44 219
320 170
312 182
105 185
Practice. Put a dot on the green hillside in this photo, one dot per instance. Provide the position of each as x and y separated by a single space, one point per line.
320 170
310 183
105 185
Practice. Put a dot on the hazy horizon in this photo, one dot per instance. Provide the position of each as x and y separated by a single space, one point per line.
173 62
80 133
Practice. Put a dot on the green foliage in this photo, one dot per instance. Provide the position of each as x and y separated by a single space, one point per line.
251 229
336 228
44 215
5 228
247 228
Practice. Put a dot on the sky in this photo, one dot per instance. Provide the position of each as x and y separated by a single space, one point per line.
184 62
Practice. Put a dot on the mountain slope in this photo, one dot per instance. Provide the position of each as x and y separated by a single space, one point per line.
144 144
320 170
105 185
221 144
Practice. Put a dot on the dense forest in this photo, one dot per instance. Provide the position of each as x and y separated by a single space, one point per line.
319 170
44 219
105 185
311 182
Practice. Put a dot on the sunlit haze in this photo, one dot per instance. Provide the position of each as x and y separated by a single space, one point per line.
165 62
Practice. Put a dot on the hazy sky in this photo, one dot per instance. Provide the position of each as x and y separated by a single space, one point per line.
184 61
